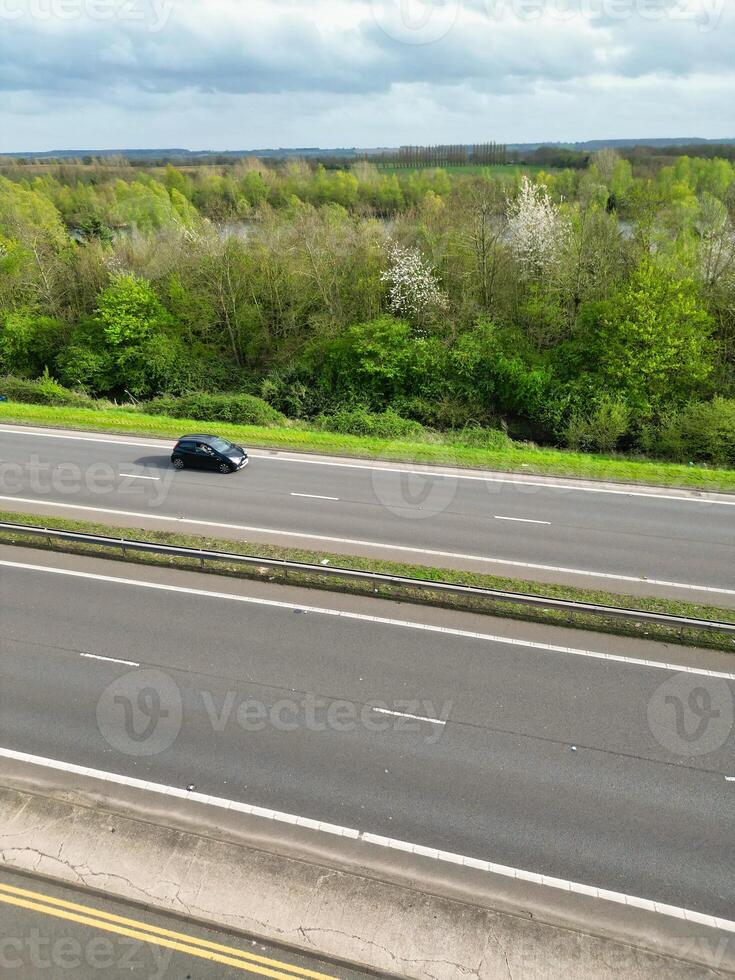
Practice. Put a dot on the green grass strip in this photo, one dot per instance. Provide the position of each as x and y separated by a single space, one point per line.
585 621
518 458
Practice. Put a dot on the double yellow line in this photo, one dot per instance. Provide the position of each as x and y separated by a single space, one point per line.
177 941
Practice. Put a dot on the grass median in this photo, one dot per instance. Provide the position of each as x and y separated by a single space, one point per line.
487 606
439 450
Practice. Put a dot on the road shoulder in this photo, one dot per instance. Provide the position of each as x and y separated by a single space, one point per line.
391 912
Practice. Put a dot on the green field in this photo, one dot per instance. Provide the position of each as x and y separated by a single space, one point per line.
469 168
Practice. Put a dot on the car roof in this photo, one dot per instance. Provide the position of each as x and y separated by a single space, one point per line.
200 438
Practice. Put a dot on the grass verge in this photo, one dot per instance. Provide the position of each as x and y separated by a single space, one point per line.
517 458
481 605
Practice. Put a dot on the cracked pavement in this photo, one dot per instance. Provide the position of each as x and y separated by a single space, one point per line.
36 943
198 880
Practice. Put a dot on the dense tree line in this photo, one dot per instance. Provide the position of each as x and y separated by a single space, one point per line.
590 308
115 195
445 155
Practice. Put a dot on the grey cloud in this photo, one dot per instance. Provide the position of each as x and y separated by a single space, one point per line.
412 113
298 79
291 54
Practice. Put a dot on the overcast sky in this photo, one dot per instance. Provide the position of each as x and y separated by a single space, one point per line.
241 74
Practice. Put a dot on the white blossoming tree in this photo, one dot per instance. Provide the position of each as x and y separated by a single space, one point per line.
414 291
716 244
536 228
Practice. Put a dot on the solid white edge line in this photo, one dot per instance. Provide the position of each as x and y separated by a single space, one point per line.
364 617
403 714
419 850
517 480
30 430
109 660
138 476
407 549
290 457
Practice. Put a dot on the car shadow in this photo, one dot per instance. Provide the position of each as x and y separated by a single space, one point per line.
154 462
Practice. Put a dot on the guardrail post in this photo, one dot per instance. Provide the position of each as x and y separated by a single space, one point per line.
49 539
201 558
122 548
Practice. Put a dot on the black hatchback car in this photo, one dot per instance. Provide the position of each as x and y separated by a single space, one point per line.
208 453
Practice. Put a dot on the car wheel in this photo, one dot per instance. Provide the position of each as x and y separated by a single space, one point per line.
178 463
225 468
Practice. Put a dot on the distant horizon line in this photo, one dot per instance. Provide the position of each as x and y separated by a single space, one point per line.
592 144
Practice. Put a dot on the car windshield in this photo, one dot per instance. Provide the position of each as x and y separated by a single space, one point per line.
221 445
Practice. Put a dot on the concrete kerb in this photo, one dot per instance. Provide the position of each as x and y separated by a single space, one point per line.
390 911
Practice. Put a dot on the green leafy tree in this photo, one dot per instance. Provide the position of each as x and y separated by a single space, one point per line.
254 188
29 216
379 361
175 180
652 343
92 228
130 310
29 342
498 371
136 333
79 365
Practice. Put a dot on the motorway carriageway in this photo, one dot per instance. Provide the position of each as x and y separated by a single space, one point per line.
555 761
624 539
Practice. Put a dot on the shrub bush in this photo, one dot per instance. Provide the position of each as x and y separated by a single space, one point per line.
601 428
45 391
377 362
29 342
238 409
443 413
477 437
702 432
359 421
292 393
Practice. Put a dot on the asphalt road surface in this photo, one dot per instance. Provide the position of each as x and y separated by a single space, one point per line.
49 932
612 773
672 543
